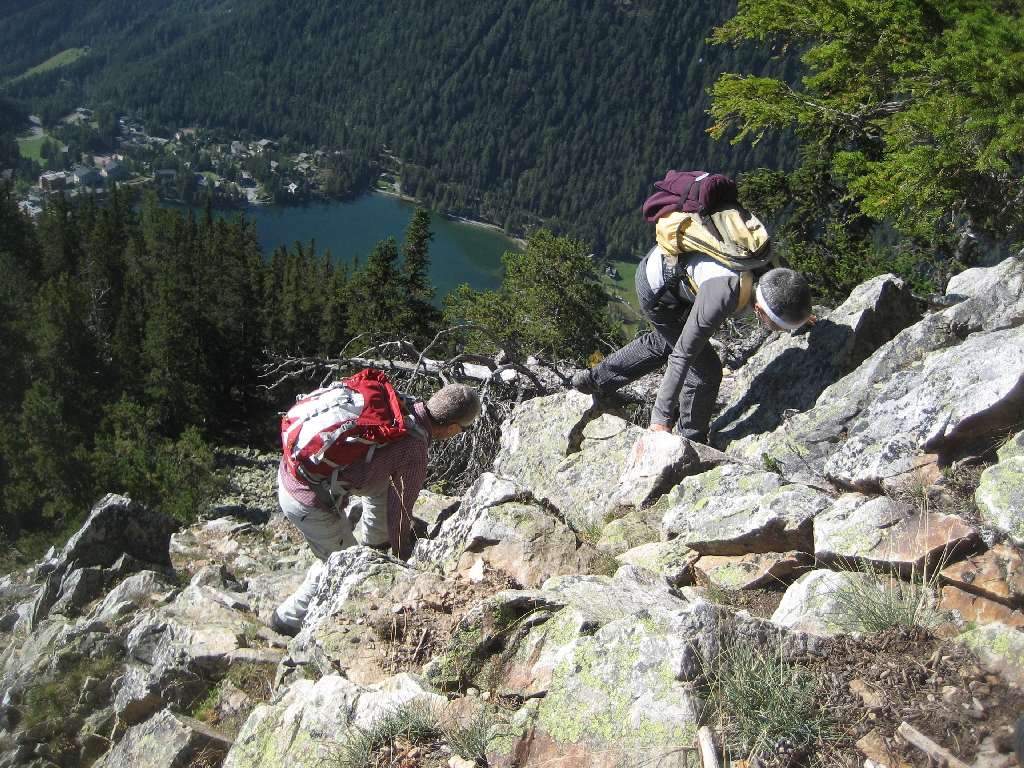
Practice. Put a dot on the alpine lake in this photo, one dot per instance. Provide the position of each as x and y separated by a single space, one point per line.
459 253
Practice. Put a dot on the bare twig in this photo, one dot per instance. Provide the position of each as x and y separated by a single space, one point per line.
939 755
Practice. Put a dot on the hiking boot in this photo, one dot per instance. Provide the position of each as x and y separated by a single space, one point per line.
278 624
583 381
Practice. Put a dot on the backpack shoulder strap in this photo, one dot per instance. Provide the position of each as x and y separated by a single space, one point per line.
412 424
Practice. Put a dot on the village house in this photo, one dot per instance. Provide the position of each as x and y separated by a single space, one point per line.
115 170
53 181
87 177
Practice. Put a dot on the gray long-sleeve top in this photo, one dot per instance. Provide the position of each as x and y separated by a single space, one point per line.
716 300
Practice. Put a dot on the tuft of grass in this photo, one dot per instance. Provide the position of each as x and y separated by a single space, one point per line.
764 702
58 700
414 723
884 601
417 723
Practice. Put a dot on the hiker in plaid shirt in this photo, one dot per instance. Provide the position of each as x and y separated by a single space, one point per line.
388 484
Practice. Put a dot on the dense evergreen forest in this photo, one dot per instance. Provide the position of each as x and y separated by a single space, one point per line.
555 114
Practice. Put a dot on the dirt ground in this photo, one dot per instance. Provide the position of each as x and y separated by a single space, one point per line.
870 684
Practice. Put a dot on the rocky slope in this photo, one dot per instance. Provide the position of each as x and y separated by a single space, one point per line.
597 596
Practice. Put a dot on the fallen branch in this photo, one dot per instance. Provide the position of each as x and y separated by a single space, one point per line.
706 744
939 755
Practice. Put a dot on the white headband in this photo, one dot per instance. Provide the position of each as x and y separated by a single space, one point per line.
784 324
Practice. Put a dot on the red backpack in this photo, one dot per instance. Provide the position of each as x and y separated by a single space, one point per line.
330 428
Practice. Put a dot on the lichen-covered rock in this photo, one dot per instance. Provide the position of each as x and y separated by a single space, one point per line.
430 511
995 298
496 621
790 372
139 695
306 726
442 554
671 559
753 570
1000 649
166 740
995 574
733 510
618 682
197 632
583 485
658 462
627 532
1000 497
269 590
540 433
950 399
526 542
362 584
1012 447
859 529
139 591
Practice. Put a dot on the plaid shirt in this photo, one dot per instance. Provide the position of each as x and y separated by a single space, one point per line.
404 463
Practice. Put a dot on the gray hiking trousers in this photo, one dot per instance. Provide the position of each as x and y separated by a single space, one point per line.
648 352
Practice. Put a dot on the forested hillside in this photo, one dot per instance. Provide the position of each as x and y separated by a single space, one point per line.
558 114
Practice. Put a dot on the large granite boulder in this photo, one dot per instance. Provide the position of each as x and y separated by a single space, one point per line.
304 728
442 553
540 434
528 543
952 399
583 485
116 526
164 741
994 298
790 372
921 393
878 532
734 509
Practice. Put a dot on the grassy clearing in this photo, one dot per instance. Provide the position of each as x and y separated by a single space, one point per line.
766 707
61 59
32 148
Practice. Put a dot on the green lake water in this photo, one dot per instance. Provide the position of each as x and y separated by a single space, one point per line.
460 253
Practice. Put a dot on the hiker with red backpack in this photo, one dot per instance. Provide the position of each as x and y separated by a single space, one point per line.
361 437
712 260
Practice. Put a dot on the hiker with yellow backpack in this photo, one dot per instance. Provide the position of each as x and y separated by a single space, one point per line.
712 260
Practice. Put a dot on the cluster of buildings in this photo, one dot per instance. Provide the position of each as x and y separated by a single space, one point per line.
138 148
